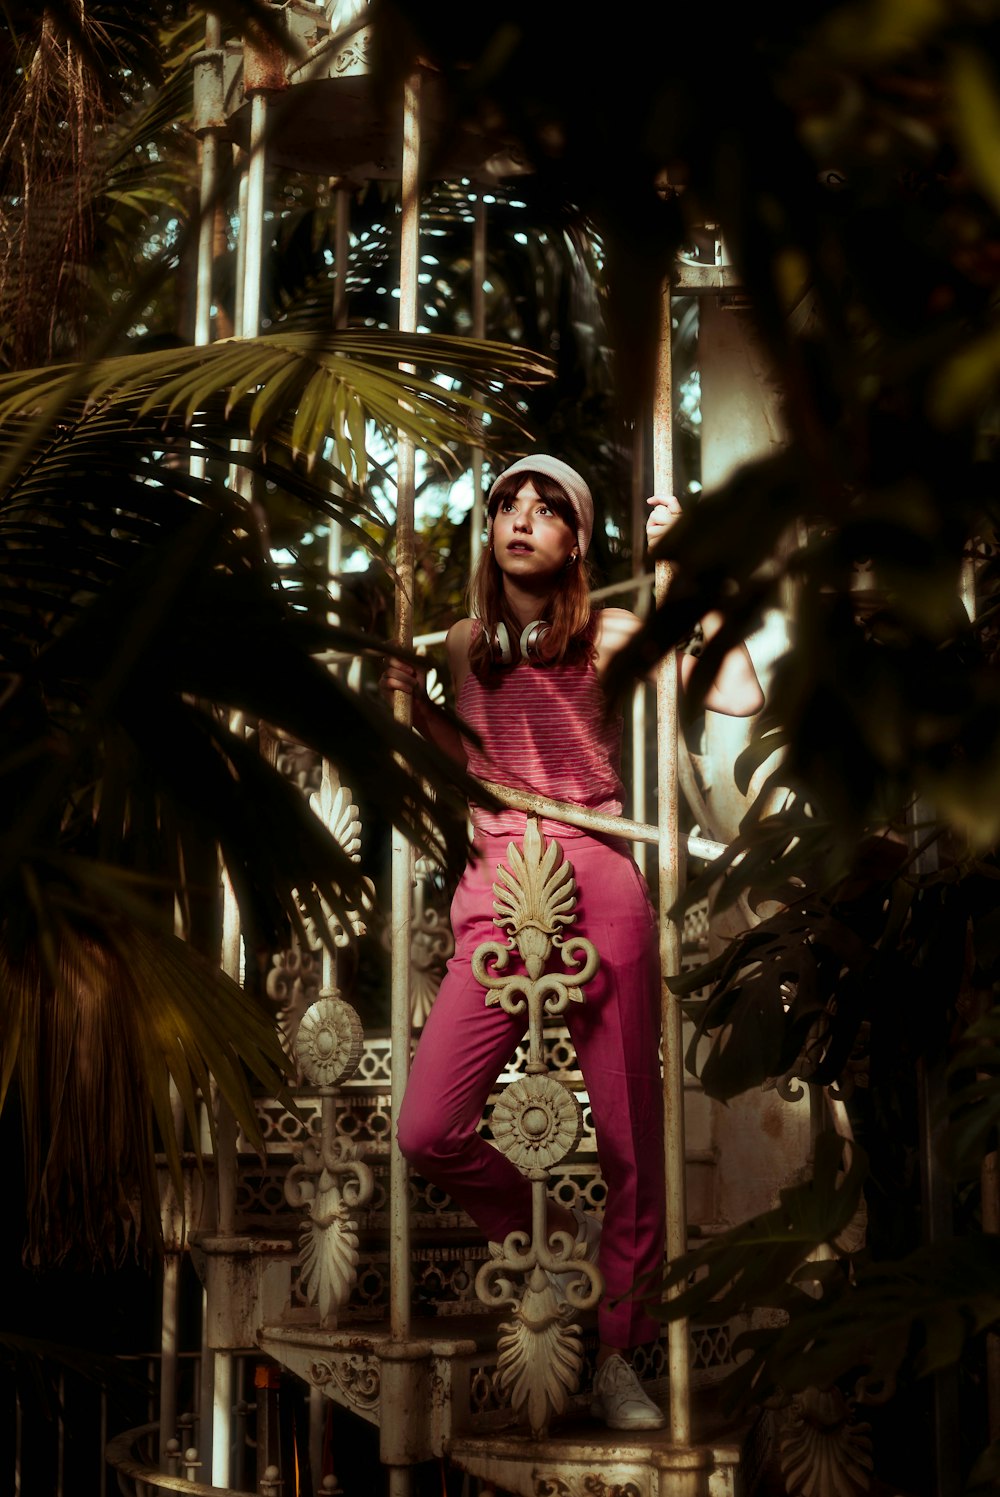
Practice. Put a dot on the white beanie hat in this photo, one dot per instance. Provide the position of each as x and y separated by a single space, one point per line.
577 492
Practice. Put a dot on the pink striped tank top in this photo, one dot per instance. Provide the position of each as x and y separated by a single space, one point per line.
543 728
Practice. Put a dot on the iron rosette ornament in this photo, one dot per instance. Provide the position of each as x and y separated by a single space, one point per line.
536 1122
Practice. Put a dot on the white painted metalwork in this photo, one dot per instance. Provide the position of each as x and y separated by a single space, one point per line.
669 888
432 942
402 850
208 121
535 1124
253 227
535 1119
225 1174
335 807
477 518
141 1474
598 821
822 1451
331 1180
639 693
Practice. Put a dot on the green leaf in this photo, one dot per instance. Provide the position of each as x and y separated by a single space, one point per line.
739 1267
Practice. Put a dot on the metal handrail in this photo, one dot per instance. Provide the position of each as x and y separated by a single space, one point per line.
118 1453
601 822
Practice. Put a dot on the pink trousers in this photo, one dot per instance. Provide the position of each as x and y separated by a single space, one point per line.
615 1031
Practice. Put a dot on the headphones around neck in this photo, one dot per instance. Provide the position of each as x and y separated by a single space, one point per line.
531 637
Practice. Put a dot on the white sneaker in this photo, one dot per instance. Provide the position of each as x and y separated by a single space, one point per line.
619 1399
588 1233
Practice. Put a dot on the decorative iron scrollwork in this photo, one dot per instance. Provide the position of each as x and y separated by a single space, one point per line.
535 1124
359 1378
331 1179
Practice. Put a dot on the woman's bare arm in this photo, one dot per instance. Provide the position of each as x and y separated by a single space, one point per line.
399 675
736 690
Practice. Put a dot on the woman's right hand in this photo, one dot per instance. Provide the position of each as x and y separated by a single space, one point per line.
665 510
400 675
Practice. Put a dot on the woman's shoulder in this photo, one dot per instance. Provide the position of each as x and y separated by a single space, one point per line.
458 642
461 632
614 626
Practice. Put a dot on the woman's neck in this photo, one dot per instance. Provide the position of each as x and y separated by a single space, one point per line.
525 603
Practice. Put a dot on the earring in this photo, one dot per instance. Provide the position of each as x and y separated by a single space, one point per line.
573 556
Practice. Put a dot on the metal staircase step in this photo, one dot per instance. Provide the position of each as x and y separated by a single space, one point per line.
418 1392
580 1455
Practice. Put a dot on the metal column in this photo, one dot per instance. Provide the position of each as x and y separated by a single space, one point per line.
225 1172
207 204
341 249
402 851
477 517
669 888
639 714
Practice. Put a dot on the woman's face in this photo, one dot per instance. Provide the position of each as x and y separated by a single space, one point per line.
530 541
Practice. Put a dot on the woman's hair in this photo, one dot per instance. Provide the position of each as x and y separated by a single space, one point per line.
569 636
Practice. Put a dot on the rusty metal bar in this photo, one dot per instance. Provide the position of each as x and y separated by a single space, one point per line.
118 1455
639 714
206 240
477 517
242 197
989 1172
402 851
341 250
206 1389
209 148
253 225
169 1316
678 1348
599 822
225 1174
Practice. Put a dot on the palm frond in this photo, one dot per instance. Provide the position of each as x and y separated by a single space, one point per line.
101 1019
297 372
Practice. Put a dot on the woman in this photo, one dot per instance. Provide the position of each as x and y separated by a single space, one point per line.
527 670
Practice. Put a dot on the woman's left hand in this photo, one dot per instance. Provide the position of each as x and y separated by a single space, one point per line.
664 513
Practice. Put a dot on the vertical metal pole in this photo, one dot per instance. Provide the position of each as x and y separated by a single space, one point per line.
222 1402
402 851
477 518
203 301
267 1384
335 541
989 1174
669 889
238 1400
205 229
206 1390
206 209
317 1426
225 1174
173 1233
206 240
341 248
334 562
170 1301
242 197
209 147
638 527
252 226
